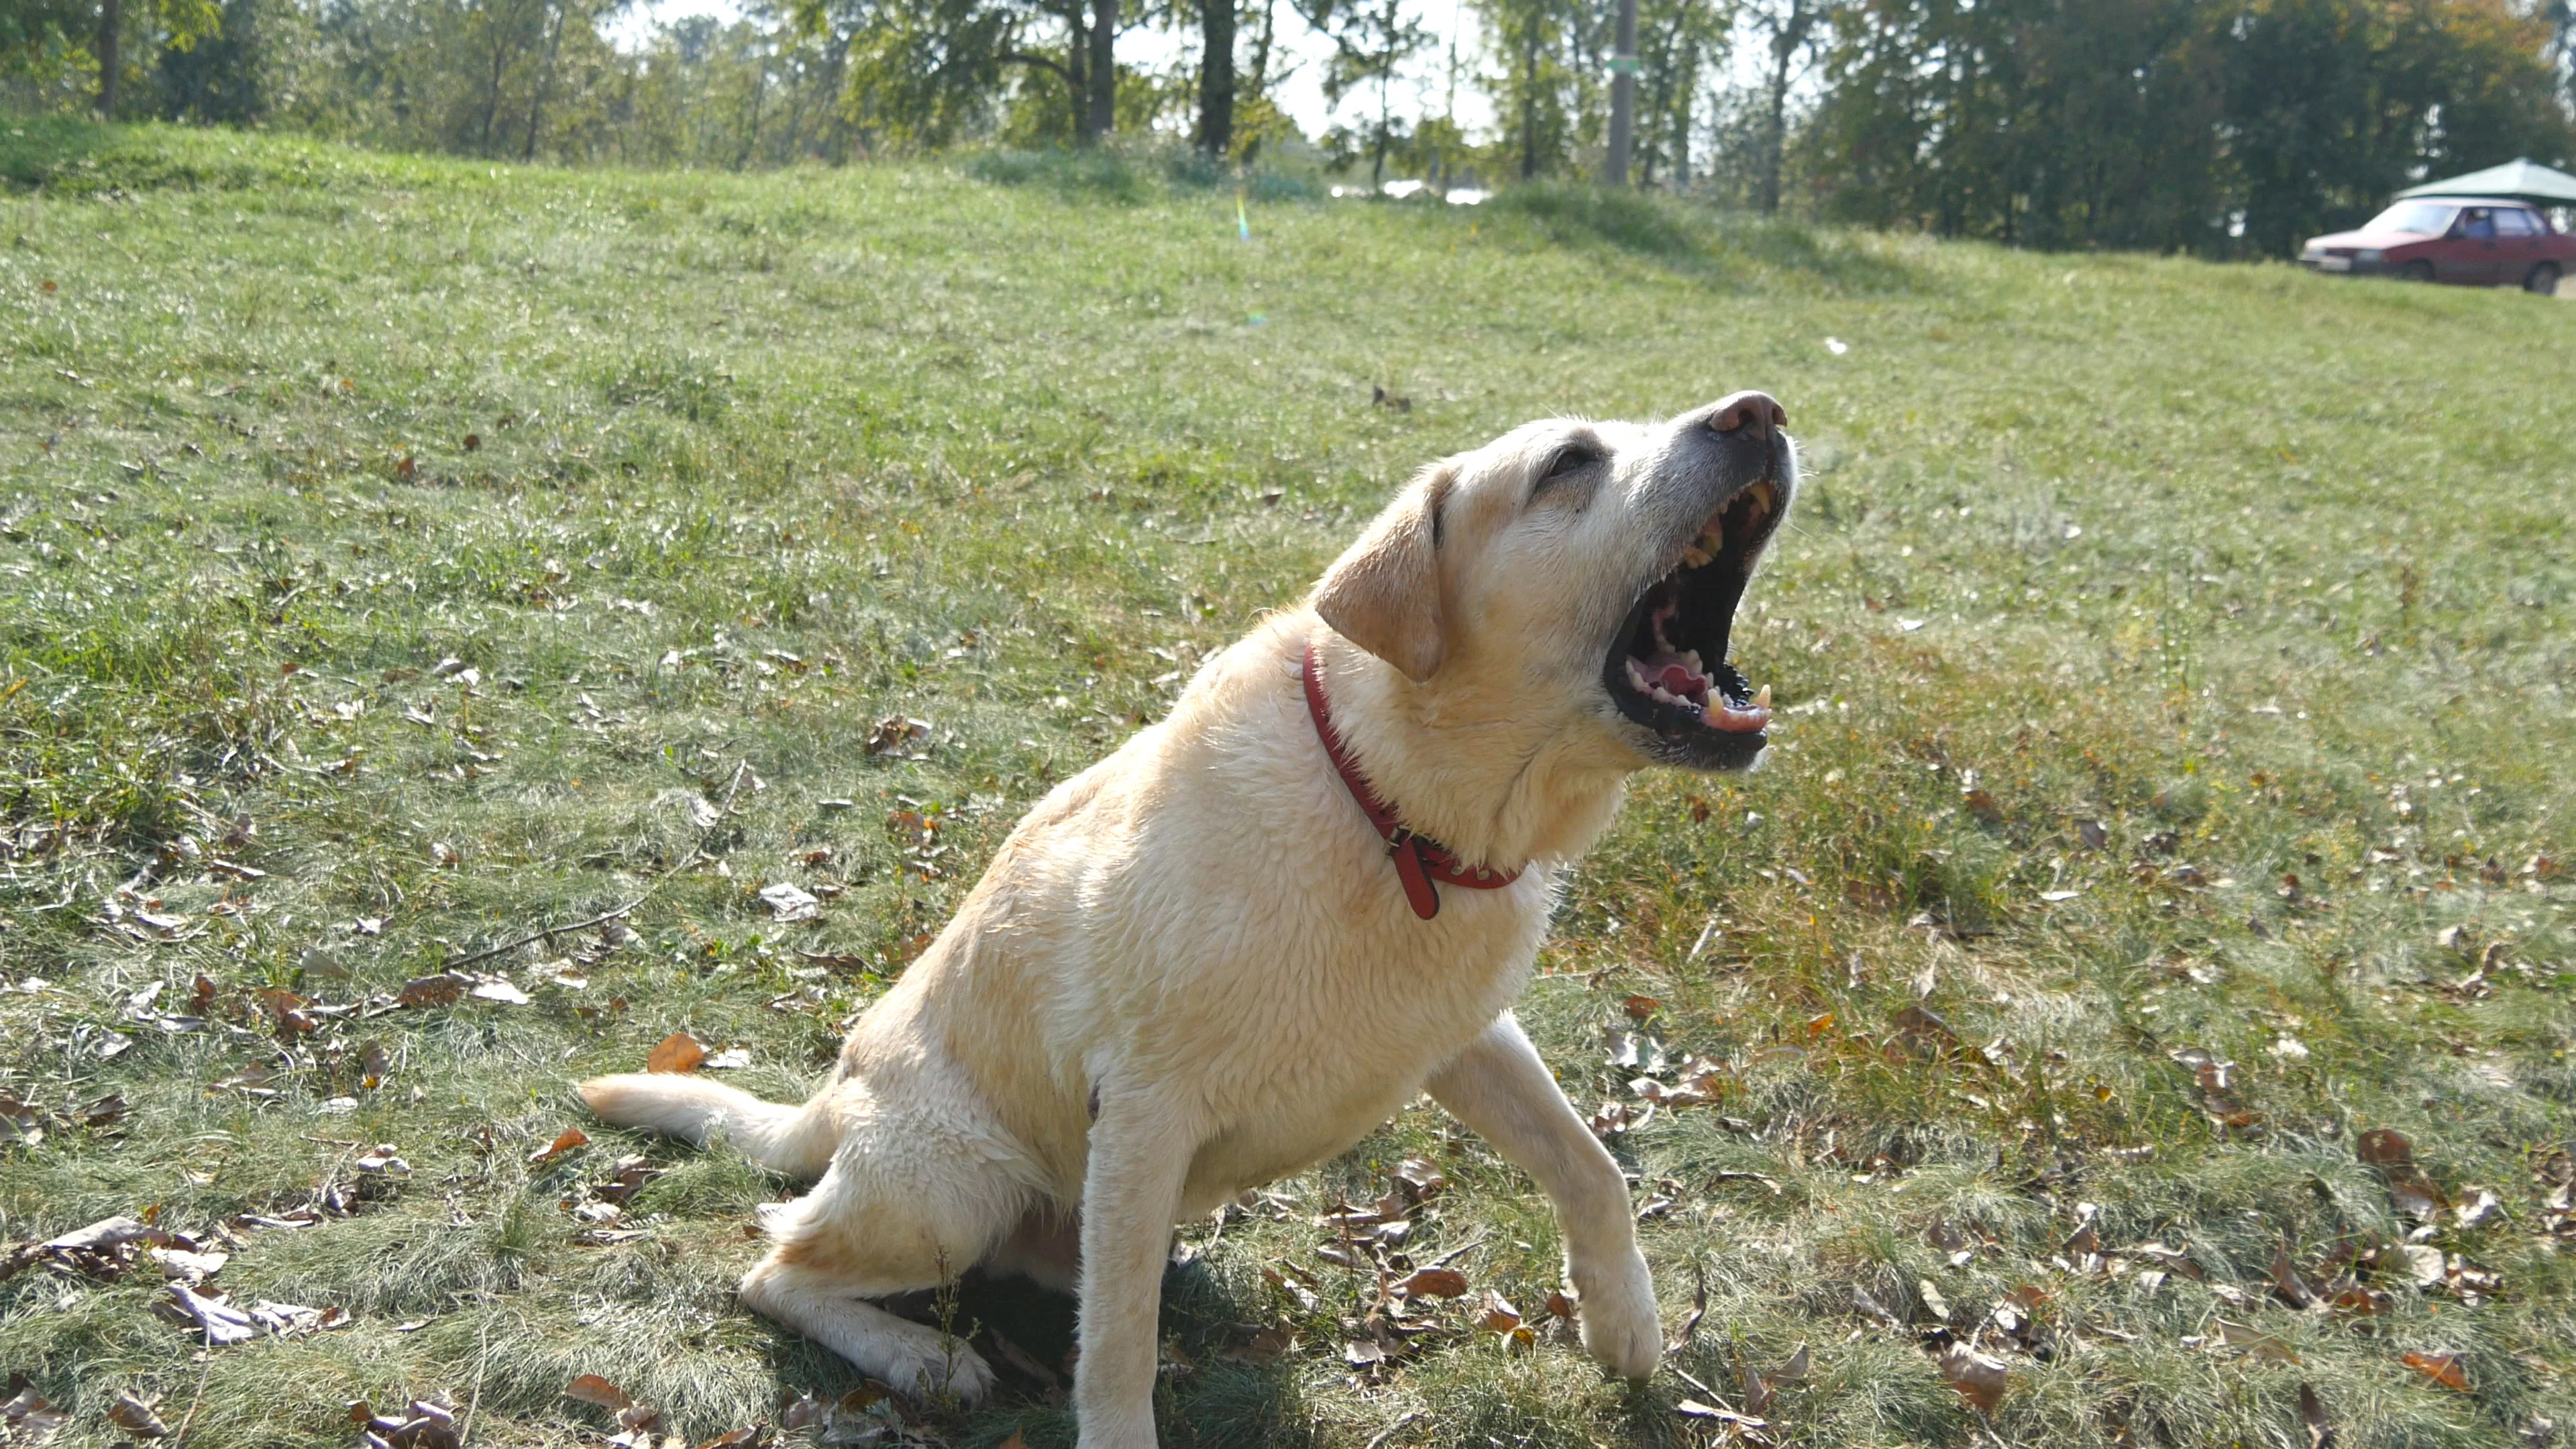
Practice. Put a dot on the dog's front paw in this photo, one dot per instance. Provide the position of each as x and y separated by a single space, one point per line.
1617 1310
947 1368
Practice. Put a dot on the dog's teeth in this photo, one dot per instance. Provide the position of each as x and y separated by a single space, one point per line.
1637 674
1691 658
1695 556
1762 697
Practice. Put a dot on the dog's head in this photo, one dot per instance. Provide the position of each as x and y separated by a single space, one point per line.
1582 576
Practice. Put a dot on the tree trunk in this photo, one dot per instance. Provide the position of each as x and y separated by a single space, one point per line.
1104 67
492 102
545 78
1784 48
1216 77
1077 72
111 27
751 135
1623 95
1261 49
1529 101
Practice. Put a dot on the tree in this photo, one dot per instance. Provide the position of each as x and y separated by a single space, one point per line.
53 42
1216 77
1680 43
1537 94
1788 32
1371 39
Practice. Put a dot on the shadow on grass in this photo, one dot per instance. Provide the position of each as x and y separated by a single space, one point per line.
1732 248
73 156
1126 174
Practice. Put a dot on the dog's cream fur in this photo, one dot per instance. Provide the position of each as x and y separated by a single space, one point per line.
1191 968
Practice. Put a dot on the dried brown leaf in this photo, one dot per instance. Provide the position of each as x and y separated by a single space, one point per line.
2446 1369
1979 1379
592 1389
678 1052
1434 1283
135 1417
441 990
2381 1147
2312 1414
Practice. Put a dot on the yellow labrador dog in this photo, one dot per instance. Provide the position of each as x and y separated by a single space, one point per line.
1253 933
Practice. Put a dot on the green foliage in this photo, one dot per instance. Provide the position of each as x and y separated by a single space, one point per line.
2177 124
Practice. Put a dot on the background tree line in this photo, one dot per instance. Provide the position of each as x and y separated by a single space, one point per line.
2214 126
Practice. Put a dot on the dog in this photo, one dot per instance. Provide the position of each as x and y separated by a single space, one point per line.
1249 936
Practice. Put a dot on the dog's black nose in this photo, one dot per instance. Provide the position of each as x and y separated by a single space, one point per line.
1756 413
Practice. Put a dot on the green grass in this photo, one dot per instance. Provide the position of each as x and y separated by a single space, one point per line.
702 476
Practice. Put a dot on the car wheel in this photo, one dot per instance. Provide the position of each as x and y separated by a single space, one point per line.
2418 272
2543 279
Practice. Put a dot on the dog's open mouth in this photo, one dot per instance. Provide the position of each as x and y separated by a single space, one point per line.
1667 668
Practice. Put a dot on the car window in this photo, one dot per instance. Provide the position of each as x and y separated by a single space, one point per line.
2514 221
2478 221
2423 218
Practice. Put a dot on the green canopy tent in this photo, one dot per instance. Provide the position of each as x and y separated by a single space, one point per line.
2518 180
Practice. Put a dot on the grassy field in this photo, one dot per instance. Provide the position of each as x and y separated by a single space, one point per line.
399 557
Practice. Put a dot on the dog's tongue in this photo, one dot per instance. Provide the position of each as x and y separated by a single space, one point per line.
1670 674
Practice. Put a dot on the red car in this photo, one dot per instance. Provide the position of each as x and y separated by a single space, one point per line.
2471 241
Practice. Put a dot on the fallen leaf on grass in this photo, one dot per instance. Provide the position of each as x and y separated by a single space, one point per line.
496 989
894 732
421 1424
565 1141
425 991
788 903
1694 1409
294 1320
1499 1316
729 1060
220 1322
1979 1379
2445 1369
2255 1342
1434 1283
2476 1205
135 1417
2380 1147
2312 1414
28 1418
182 1266
592 1389
2418 1198
1924 1028
678 1052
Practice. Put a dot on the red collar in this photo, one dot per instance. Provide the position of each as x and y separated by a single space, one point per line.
1419 860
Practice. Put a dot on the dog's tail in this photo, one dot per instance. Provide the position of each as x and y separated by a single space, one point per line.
795 1141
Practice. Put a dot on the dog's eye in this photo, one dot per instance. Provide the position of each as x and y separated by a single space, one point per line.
1569 460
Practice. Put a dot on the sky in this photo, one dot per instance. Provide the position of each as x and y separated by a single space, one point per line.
1422 87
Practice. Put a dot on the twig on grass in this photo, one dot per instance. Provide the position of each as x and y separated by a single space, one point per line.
1460 1251
474 1400
548 933
1389 1432
180 1435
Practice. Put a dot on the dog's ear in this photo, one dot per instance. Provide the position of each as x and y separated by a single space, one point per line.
1384 593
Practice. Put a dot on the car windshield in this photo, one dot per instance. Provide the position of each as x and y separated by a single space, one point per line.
2422 218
